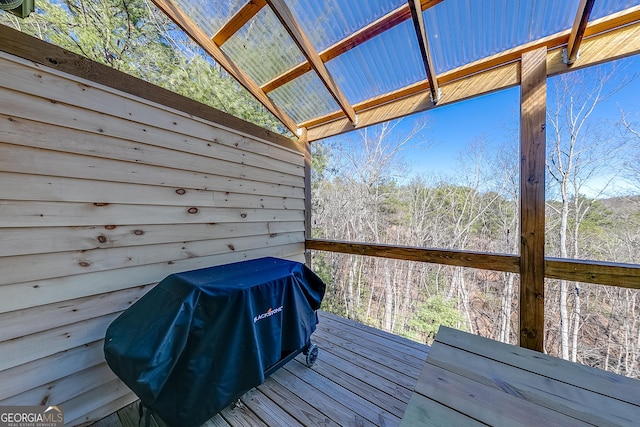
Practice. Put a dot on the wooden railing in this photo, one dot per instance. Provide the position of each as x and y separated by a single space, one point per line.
585 271
487 261
575 270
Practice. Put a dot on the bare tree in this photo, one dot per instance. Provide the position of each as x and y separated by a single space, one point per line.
370 164
579 152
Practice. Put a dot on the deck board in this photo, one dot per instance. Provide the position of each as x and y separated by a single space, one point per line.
494 383
363 377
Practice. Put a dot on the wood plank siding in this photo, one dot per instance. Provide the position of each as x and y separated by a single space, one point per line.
102 195
362 377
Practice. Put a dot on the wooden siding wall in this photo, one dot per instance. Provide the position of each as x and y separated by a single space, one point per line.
101 196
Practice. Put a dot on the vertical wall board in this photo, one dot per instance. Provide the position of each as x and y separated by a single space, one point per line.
308 166
103 195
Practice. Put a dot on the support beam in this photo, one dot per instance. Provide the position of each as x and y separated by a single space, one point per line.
302 139
427 60
578 29
286 77
238 21
613 37
287 19
177 15
533 90
361 36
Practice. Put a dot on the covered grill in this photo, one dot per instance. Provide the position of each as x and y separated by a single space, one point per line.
200 339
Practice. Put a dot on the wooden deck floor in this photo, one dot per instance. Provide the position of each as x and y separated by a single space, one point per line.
363 377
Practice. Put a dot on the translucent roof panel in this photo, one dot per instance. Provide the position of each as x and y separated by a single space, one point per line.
210 16
262 48
326 22
383 64
463 31
605 8
304 98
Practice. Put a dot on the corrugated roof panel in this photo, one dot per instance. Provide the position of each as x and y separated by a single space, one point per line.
328 21
262 48
463 31
210 16
304 98
604 8
385 63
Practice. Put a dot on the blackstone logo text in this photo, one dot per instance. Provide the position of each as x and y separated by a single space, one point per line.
269 313
31 416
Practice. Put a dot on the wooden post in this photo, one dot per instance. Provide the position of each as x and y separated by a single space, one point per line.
302 139
532 202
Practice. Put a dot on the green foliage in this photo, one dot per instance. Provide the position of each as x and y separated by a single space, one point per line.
426 320
320 160
598 219
333 301
134 37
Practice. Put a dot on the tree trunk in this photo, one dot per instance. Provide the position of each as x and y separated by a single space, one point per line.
350 296
564 312
576 324
505 312
564 321
388 298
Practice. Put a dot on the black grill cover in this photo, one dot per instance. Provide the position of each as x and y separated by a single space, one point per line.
200 339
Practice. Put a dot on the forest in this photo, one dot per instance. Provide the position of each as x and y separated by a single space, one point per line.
361 193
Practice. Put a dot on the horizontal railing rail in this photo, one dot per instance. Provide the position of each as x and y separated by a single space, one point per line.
586 271
487 261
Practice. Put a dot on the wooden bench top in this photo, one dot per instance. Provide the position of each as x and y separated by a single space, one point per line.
468 380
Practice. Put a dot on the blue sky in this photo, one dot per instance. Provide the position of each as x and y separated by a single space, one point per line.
450 128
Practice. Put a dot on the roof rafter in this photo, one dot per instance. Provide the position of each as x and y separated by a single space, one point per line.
578 29
612 37
288 21
237 21
175 13
366 33
427 60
